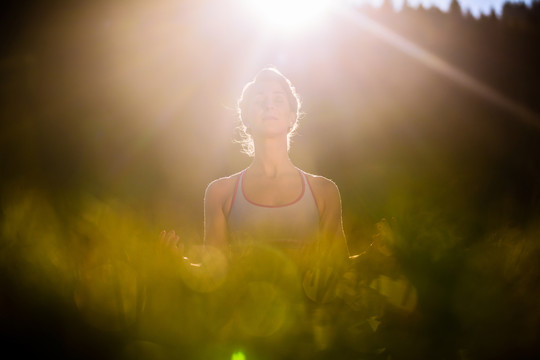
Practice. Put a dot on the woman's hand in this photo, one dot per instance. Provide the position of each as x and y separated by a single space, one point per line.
170 242
386 237
205 277
171 252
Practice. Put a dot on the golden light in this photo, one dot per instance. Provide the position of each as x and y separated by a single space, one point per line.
238 356
288 16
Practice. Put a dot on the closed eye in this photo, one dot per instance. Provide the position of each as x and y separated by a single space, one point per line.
259 100
279 99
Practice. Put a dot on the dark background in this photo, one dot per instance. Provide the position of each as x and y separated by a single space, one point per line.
116 115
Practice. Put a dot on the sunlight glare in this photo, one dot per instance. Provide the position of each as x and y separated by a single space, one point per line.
238 356
288 16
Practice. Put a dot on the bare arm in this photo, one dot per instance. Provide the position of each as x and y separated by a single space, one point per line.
331 224
217 199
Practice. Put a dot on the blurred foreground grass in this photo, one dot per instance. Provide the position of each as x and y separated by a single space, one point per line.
96 284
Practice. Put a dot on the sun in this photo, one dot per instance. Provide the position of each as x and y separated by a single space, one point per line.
288 16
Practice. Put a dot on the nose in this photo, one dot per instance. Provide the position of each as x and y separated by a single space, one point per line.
268 103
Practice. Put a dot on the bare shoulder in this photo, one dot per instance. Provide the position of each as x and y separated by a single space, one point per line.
326 193
219 193
322 186
222 187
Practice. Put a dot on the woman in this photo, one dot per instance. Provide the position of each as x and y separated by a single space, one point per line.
272 201
269 209
272 204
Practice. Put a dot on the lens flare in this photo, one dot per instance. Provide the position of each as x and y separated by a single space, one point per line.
263 310
238 356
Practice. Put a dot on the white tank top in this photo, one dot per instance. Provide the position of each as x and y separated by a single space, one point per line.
291 225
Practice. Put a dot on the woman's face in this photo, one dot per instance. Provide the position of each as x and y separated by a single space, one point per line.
269 111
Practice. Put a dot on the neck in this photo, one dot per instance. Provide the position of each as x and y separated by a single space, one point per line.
271 157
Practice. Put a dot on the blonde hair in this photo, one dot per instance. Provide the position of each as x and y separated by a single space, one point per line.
265 75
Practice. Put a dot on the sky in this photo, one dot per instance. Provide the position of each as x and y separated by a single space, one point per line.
476 7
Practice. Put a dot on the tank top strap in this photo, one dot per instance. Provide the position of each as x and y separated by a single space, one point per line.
237 186
307 184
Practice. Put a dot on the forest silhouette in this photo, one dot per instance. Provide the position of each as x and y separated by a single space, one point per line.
115 117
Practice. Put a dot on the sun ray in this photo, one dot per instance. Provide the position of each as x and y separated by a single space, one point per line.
446 69
288 16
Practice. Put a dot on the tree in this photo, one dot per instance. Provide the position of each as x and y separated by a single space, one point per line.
455 9
387 6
